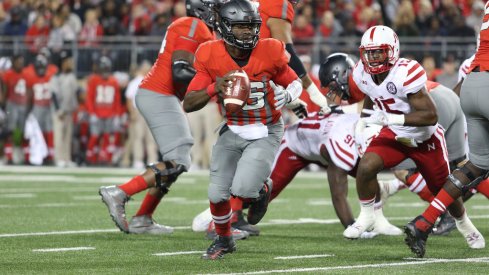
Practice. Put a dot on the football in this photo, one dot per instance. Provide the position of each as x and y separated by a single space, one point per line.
236 96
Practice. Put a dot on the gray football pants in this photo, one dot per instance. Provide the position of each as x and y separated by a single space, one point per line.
168 124
240 167
474 98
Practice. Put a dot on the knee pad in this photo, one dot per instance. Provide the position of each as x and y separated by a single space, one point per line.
474 181
171 175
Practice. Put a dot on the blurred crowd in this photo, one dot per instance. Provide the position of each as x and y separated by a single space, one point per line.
51 24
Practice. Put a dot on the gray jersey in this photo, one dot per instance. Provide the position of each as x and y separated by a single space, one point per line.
474 98
239 166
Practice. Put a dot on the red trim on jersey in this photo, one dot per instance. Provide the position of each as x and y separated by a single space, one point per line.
339 156
414 78
344 151
309 126
414 68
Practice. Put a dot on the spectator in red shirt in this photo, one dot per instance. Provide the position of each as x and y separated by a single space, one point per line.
91 30
37 35
302 29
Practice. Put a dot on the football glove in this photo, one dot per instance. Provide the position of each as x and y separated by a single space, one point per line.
299 108
381 118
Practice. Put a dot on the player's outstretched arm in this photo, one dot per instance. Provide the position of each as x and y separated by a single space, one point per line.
424 113
338 186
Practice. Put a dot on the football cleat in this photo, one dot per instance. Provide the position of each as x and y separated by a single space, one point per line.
387 189
201 222
236 233
258 207
362 224
417 232
144 224
115 200
445 225
238 222
220 246
474 238
383 227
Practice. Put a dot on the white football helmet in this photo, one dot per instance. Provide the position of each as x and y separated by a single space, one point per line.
379 49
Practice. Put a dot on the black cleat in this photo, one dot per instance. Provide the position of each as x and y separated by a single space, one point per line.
445 225
220 246
239 222
258 206
417 232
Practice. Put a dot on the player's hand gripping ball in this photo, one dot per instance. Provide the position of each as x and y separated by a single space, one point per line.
236 90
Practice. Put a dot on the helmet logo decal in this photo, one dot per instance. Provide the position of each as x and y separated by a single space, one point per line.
372 34
391 88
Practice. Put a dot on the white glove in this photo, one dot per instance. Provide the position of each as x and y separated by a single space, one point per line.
384 119
282 96
299 108
325 110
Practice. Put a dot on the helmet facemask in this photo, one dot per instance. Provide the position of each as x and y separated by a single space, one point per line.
377 59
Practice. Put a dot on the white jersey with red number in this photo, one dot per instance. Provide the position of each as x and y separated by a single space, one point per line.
465 68
306 137
391 96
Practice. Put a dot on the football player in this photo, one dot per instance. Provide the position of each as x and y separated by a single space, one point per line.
18 104
103 104
473 98
245 149
277 17
159 101
397 88
38 79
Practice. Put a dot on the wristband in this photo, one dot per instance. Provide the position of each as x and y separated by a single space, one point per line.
395 119
211 90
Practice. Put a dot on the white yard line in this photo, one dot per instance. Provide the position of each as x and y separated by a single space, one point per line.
63 249
366 266
269 223
18 196
304 257
178 253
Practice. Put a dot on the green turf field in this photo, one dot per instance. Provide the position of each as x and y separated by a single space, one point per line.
42 209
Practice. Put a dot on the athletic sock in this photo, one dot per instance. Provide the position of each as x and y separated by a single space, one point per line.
148 205
135 185
483 188
417 184
438 206
221 214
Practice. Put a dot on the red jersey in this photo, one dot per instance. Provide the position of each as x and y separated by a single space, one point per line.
355 94
16 86
281 9
103 96
39 85
481 58
268 61
50 70
186 33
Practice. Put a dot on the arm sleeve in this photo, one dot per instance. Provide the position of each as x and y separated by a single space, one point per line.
355 94
202 78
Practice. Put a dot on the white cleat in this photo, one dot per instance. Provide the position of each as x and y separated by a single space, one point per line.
202 220
388 188
363 223
474 238
383 227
